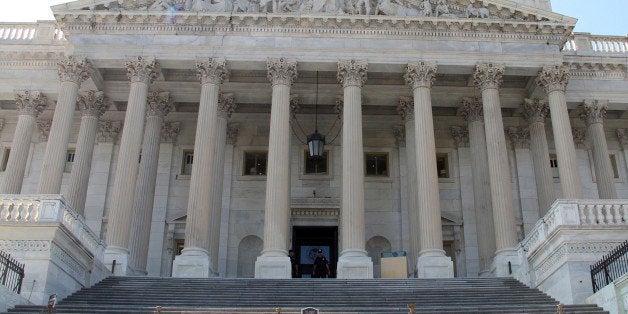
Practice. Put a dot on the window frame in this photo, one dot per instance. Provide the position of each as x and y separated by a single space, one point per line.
388 166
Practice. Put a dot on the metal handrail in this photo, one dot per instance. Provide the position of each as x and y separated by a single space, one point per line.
611 267
11 272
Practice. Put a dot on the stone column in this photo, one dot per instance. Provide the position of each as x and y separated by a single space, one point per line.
92 105
72 71
226 106
29 105
406 110
593 114
141 72
432 262
194 260
353 261
622 137
554 80
535 111
488 77
274 261
159 105
471 111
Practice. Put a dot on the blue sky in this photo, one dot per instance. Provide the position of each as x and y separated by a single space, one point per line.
601 17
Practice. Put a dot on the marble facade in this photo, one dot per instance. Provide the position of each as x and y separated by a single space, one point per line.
468 101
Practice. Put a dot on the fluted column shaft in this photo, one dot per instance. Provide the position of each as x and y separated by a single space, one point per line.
92 105
141 73
554 80
535 111
593 113
72 71
159 105
30 104
488 78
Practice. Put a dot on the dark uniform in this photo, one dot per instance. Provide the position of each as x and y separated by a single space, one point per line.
321 267
295 266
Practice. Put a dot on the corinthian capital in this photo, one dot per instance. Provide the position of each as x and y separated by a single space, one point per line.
399 132
74 69
593 111
108 130
553 78
281 71
488 75
92 103
520 137
420 74
622 136
170 131
535 110
142 69
226 105
460 135
44 129
158 103
30 103
406 108
579 137
352 72
232 133
471 109
212 70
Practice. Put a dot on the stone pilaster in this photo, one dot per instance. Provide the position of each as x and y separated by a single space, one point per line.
406 110
432 261
535 111
92 105
353 261
195 260
159 104
29 105
72 71
274 261
554 80
488 77
471 111
141 72
593 114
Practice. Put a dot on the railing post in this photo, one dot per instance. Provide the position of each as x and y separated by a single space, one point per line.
583 43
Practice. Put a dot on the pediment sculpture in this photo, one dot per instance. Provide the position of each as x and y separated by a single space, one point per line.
419 8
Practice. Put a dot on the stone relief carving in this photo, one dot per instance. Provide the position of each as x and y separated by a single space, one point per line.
400 135
44 129
170 131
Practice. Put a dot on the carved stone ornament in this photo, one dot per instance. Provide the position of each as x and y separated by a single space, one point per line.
593 111
170 131
1 124
281 71
338 108
44 129
471 109
92 103
553 78
488 75
420 74
400 135
212 70
226 105
232 133
108 130
460 135
74 69
535 110
519 137
30 103
142 69
622 136
579 137
406 108
158 103
352 72
295 105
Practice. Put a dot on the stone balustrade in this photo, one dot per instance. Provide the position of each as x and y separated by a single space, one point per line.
587 43
22 209
30 32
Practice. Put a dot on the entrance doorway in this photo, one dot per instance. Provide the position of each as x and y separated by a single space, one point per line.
306 241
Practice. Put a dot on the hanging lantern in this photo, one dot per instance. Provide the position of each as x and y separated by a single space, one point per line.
316 145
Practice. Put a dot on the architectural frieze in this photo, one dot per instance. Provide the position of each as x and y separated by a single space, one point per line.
92 103
535 110
24 245
460 135
592 70
30 103
593 111
170 132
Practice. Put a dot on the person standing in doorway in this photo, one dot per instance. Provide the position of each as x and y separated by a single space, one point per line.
321 266
295 265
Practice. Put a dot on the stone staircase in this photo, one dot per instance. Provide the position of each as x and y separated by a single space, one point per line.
186 295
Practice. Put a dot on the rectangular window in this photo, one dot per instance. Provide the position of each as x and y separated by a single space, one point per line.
442 165
188 160
5 158
255 163
614 166
69 160
315 166
376 164
554 165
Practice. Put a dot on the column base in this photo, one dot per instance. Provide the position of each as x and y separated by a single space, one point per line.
434 264
354 264
501 266
192 263
273 265
117 260
136 272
